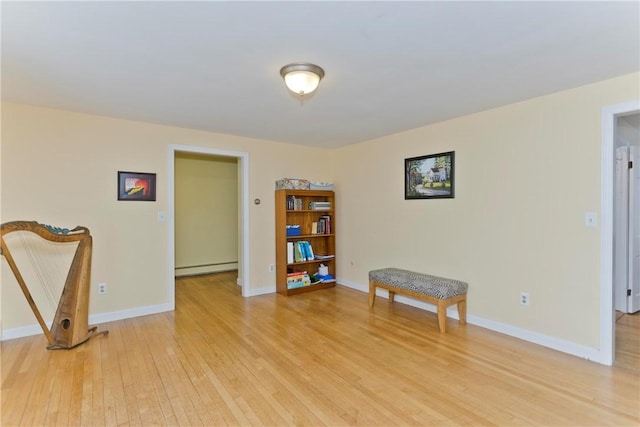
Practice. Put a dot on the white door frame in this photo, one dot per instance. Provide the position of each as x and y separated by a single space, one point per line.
243 165
607 170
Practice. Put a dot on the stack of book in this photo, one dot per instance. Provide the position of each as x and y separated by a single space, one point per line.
298 279
300 251
294 204
320 206
324 225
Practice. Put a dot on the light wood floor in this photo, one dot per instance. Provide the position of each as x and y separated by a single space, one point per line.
321 358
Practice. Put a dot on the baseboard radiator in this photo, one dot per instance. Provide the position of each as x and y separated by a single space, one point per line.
197 270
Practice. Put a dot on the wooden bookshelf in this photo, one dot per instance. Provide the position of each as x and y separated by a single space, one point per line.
322 243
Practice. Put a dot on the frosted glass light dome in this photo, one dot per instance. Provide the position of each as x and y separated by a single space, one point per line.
302 78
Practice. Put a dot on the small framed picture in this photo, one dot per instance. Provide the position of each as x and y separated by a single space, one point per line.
137 186
430 177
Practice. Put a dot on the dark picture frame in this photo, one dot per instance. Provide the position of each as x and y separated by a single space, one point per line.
430 177
137 186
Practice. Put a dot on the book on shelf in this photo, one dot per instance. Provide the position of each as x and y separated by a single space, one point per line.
298 253
309 249
298 279
302 251
294 275
320 206
324 224
324 257
290 250
294 204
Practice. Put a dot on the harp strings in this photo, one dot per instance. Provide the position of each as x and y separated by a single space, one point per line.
43 263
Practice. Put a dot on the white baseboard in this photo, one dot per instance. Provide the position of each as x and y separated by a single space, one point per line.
25 331
127 314
261 291
503 328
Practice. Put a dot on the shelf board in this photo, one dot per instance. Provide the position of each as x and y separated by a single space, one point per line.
309 236
303 289
313 261
310 211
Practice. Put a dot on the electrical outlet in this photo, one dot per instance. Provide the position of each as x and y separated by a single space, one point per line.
102 288
524 298
272 268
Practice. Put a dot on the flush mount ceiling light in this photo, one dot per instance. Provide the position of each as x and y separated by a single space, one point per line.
302 78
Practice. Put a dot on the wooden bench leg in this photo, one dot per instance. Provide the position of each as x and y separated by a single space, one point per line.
392 295
372 294
442 316
462 311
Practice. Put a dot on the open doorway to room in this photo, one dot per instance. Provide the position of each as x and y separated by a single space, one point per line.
626 237
620 127
206 214
205 166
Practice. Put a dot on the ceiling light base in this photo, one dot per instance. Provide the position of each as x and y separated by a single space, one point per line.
302 78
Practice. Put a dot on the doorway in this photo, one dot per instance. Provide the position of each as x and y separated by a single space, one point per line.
242 159
206 214
626 237
626 229
610 116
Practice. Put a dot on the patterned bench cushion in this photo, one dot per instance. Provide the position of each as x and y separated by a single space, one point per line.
437 287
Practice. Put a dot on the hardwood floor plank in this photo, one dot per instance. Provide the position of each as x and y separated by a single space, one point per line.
321 358
17 376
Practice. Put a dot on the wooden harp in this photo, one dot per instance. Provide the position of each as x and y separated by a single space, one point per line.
70 326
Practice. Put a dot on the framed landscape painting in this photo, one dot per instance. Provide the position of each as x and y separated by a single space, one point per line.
430 177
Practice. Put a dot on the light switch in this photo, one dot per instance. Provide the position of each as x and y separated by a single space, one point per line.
590 219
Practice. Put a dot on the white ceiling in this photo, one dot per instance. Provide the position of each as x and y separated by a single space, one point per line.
390 66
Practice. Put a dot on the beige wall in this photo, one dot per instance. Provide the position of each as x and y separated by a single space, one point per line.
525 176
60 168
206 213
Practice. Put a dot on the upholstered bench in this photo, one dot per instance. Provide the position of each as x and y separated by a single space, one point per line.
435 290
